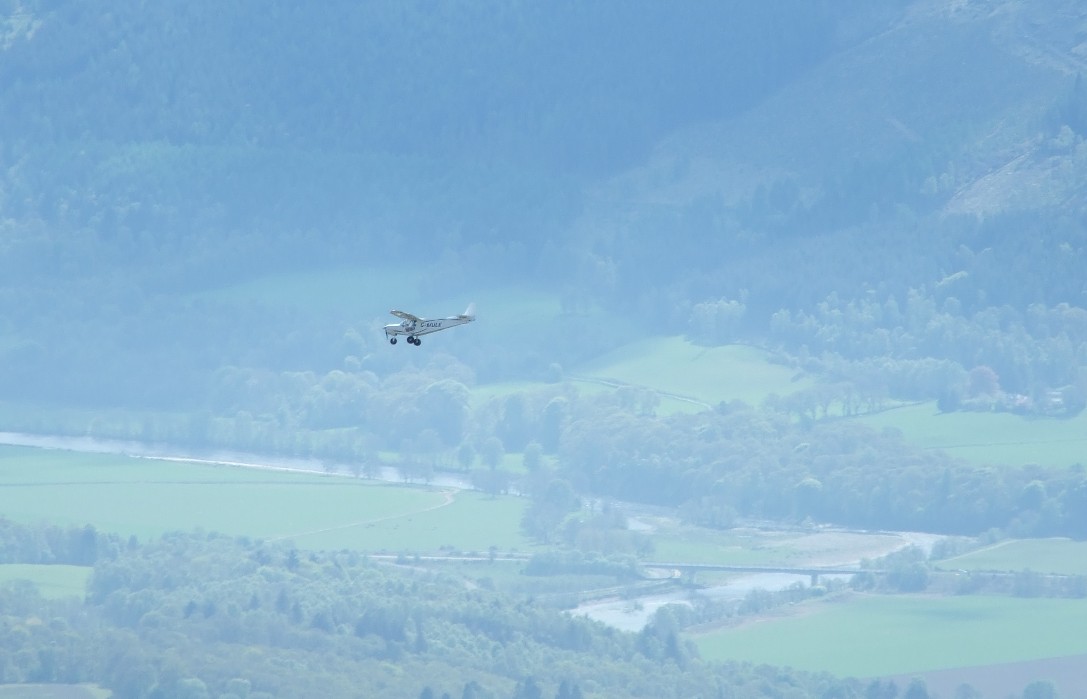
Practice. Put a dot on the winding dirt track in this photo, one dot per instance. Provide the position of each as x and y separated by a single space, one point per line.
448 496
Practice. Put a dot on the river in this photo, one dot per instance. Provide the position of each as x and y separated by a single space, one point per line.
218 457
817 548
836 548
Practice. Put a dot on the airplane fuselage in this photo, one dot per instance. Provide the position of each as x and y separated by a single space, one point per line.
413 326
424 327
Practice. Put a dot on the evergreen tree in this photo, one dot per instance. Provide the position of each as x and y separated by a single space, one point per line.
568 690
472 690
527 689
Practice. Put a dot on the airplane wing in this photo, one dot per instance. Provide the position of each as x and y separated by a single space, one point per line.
406 316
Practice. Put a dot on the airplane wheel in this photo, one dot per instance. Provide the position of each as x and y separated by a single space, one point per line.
392 340
418 342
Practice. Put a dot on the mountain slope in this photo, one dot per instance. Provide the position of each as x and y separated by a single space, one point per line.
869 171
933 80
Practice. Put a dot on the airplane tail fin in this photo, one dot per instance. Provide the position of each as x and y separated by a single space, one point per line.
469 312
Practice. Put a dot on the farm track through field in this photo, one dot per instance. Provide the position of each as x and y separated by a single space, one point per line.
447 500
983 549
614 383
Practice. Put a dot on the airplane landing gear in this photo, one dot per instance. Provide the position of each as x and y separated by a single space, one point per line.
414 340
392 340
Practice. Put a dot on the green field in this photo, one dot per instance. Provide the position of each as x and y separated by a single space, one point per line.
751 547
702 549
990 438
470 522
53 691
674 542
52 581
1058 556
146 497
686 377
707 374
482 393
872 636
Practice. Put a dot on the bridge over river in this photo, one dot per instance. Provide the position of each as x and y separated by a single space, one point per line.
813 571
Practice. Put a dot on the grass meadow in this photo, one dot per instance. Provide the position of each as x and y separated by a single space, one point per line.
753 547
674 365
1057 556
698 546
466 521
52 581
990 438
53 691
146 497
686 377
874 636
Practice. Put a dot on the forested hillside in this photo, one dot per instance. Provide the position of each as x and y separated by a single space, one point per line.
917 194
765 172
153 151
890 198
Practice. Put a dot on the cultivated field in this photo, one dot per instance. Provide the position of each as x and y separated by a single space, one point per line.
52 581
685 377
464 521
877 635
753 547
1058 556
990 438
146 497
53 691
673 365
586 385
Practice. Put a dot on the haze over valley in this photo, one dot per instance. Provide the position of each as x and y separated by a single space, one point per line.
776 384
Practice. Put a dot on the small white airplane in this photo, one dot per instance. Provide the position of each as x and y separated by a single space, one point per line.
414 326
